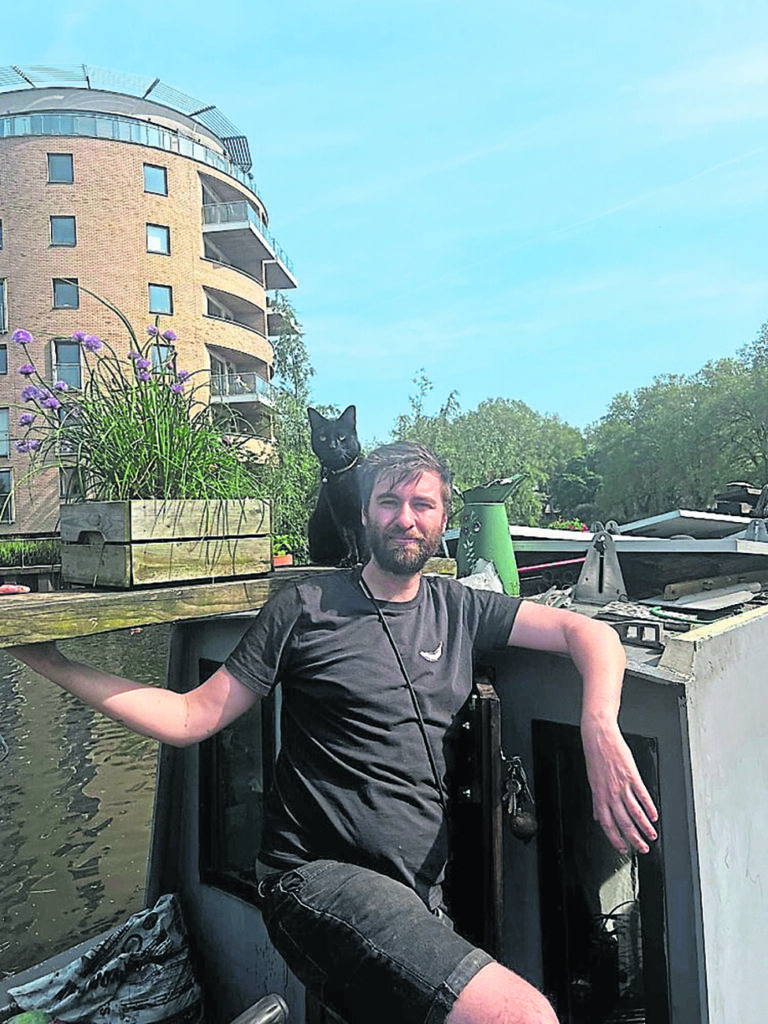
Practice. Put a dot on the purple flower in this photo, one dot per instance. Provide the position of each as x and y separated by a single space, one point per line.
144 375
169 335
51 403
143 364
26 369
34 444
22 337
30 393
61 385
183 375
26 419
78 336
177 389
21 446
152 332
134 355
91 343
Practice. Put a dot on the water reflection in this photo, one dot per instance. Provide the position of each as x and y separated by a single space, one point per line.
76 795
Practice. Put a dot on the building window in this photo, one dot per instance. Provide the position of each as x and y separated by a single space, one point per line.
63 231
3 359
65 293
160 298
66 362
5 436
3 305
158 239
61 170
163 358
155 180
6 496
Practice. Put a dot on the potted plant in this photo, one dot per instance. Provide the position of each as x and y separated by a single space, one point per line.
281 551
157 491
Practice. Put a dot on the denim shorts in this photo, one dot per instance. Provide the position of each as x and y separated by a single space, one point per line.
366 945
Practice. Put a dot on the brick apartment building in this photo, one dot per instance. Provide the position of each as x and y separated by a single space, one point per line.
143 196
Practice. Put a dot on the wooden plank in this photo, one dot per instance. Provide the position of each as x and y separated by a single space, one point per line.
125 565
96 563
200 559
122 521
709 583
34 618
166 520
107 518
439 566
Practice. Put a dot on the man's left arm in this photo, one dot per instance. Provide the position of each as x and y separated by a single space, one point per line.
620 801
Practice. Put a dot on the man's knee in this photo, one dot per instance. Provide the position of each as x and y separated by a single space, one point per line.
497 996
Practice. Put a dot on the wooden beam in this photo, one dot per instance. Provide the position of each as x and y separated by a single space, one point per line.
34 618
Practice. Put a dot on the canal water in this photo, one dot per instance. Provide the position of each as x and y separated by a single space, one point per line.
76 794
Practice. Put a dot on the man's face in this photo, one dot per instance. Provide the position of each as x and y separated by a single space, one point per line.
405 521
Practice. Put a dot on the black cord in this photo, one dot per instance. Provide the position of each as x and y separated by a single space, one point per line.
411 690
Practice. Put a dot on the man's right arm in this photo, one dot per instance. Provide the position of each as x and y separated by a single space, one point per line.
179 719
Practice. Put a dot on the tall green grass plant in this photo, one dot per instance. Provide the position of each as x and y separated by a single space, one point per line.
135 429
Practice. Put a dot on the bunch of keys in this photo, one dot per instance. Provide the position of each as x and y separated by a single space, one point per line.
518 800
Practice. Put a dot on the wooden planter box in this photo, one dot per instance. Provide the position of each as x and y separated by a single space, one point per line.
130 543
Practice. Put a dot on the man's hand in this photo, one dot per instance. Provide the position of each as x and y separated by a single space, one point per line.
620 802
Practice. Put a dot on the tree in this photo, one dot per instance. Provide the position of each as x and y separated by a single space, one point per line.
498 439
290 479
573 489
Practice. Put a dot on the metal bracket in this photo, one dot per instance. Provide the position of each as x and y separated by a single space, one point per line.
639 633
756 530
600 581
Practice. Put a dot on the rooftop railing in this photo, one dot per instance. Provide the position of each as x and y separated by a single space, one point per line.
120 129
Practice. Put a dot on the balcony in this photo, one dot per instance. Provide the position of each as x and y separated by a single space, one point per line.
241 389
242 236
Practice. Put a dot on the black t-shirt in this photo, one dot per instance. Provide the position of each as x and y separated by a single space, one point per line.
353 781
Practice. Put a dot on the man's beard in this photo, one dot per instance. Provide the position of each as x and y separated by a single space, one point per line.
401 559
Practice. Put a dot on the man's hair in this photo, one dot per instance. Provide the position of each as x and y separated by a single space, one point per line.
403 460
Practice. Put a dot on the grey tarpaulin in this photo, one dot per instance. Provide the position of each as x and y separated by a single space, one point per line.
141 973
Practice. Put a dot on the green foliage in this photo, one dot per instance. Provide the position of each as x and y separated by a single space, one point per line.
573 489
498 439
290 480
134 429
655 450
30 552
568 524
281 544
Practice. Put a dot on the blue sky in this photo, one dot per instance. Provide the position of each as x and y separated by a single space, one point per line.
539 201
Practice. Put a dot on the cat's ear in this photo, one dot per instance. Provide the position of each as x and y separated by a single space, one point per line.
315 419
349 417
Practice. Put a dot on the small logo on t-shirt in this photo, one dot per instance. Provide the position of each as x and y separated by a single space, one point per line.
433 655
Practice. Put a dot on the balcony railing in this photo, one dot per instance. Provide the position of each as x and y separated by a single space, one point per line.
244 387
242 212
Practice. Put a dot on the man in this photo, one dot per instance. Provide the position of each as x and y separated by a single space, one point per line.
375 664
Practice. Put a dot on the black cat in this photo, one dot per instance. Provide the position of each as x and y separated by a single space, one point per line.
336 534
